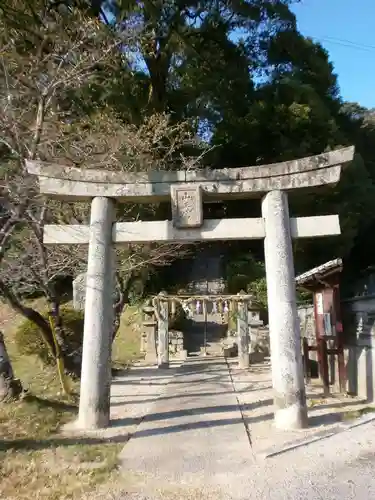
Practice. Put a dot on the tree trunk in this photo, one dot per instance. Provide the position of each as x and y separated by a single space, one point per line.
58 324
10 388
116 322
123 288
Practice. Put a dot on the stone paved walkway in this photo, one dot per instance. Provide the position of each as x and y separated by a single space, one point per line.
189 430
134 393
193 443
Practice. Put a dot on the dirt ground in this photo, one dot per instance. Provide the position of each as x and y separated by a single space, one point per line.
35 459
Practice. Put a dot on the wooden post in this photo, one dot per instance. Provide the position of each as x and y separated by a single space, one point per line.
324 370
339 339
306 360
163 337
341 368
204 307
243 334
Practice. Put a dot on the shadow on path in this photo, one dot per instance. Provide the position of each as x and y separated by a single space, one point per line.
165 398
35 444
152 417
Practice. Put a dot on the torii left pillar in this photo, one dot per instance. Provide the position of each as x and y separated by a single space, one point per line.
94 403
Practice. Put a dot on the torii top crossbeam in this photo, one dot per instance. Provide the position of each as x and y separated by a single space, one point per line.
71 183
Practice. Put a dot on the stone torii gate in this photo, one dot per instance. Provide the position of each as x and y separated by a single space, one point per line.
187 191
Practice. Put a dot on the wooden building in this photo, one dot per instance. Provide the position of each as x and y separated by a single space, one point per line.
324 283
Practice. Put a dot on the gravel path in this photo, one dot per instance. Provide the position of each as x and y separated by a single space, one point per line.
255 395
340 467
193 443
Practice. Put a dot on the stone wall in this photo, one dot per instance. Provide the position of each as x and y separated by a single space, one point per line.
359 348
360 366
359 328
176 344
204 286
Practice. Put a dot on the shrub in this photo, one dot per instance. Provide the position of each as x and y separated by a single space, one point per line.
29 339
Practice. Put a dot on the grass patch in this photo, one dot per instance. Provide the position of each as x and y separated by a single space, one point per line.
57 472
353 414
127 343
35 461
34 416
311 403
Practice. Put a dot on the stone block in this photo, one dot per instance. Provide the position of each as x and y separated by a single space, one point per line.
151 357
360 362
183 354
230 351
257 357
187 211
227 352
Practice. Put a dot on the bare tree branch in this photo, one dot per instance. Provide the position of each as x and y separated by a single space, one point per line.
42 71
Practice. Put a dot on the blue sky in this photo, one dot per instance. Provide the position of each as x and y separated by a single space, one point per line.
346 29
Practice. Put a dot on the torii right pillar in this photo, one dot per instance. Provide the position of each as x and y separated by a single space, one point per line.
287 374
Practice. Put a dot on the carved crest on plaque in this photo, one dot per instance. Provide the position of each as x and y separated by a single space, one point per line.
186 206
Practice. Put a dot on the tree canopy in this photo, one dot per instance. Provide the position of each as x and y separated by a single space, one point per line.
88 78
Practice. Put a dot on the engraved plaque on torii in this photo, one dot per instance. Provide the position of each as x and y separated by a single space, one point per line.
186 206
